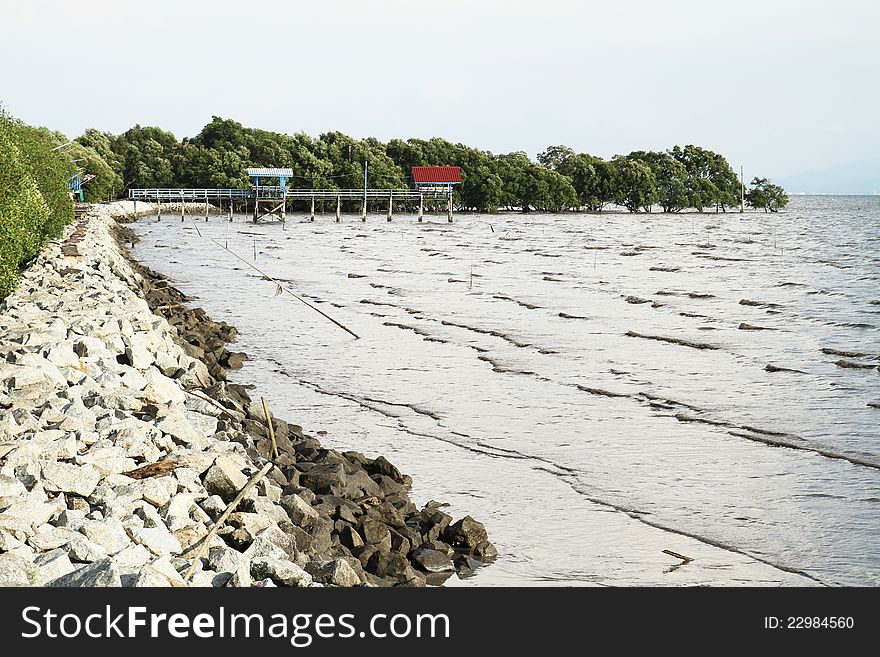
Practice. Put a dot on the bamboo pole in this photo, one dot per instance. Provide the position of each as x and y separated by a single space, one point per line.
269 426
295 296
224 517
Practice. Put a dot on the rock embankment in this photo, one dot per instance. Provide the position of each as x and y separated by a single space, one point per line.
122 444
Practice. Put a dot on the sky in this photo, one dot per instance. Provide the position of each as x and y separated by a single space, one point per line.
777 86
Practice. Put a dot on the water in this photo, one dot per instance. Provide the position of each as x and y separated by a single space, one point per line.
494 366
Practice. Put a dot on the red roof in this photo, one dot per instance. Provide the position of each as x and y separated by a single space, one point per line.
436 174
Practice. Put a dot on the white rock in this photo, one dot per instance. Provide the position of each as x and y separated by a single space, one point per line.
52 565
82 549
68 478
158 540
225 478
161 390
159 490
108 533
100 573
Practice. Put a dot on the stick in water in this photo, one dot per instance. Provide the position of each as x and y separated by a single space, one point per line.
295 296
269 425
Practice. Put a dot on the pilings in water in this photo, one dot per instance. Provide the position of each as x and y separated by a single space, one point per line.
230 209
158 209
390 205
421 207
312 216
338 208
182 208
206 207
364 213
449 210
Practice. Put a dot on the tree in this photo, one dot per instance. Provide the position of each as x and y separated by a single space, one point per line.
710 179
636 185
764 194
671 177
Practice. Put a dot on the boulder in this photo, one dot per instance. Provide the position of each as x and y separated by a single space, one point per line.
157 540
432 561
280 571
225 478
467 533
335 572
108 533
301 513
68 478
52 565
100 573
376 533
16 570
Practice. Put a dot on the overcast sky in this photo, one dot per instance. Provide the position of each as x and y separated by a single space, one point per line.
780 86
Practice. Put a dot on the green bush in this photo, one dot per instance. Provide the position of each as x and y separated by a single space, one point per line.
34 201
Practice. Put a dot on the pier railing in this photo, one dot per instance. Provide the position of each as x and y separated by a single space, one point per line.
277 193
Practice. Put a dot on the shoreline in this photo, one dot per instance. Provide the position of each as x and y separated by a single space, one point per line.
317 517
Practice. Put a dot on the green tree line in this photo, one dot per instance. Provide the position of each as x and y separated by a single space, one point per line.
561 179
34 201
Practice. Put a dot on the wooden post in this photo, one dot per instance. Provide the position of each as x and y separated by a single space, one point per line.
338 208
283 209
206 206
421 207
313 209
135 207
364 213
390 204
449 208
230 208
158 209
245 206
182 207
256 207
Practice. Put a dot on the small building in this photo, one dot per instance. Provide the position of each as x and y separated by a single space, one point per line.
269 198
436 179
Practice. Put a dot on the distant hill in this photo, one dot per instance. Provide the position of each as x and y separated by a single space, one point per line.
854 178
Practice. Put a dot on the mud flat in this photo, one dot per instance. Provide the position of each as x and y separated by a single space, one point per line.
126 459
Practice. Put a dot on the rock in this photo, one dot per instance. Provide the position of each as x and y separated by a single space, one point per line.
321 477
280 571
432 561
158 490
51 537
157 540
485 550
227 562
181 431
178 512
137 354
235 360
350 538
31 513
100 573
213 505
336 572
466 565
467 533
108 533
69 478
376 533
83 550
11 487
16 570
206 424
225 478
52 565
301 513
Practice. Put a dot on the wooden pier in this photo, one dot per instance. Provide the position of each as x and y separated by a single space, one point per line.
273 199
